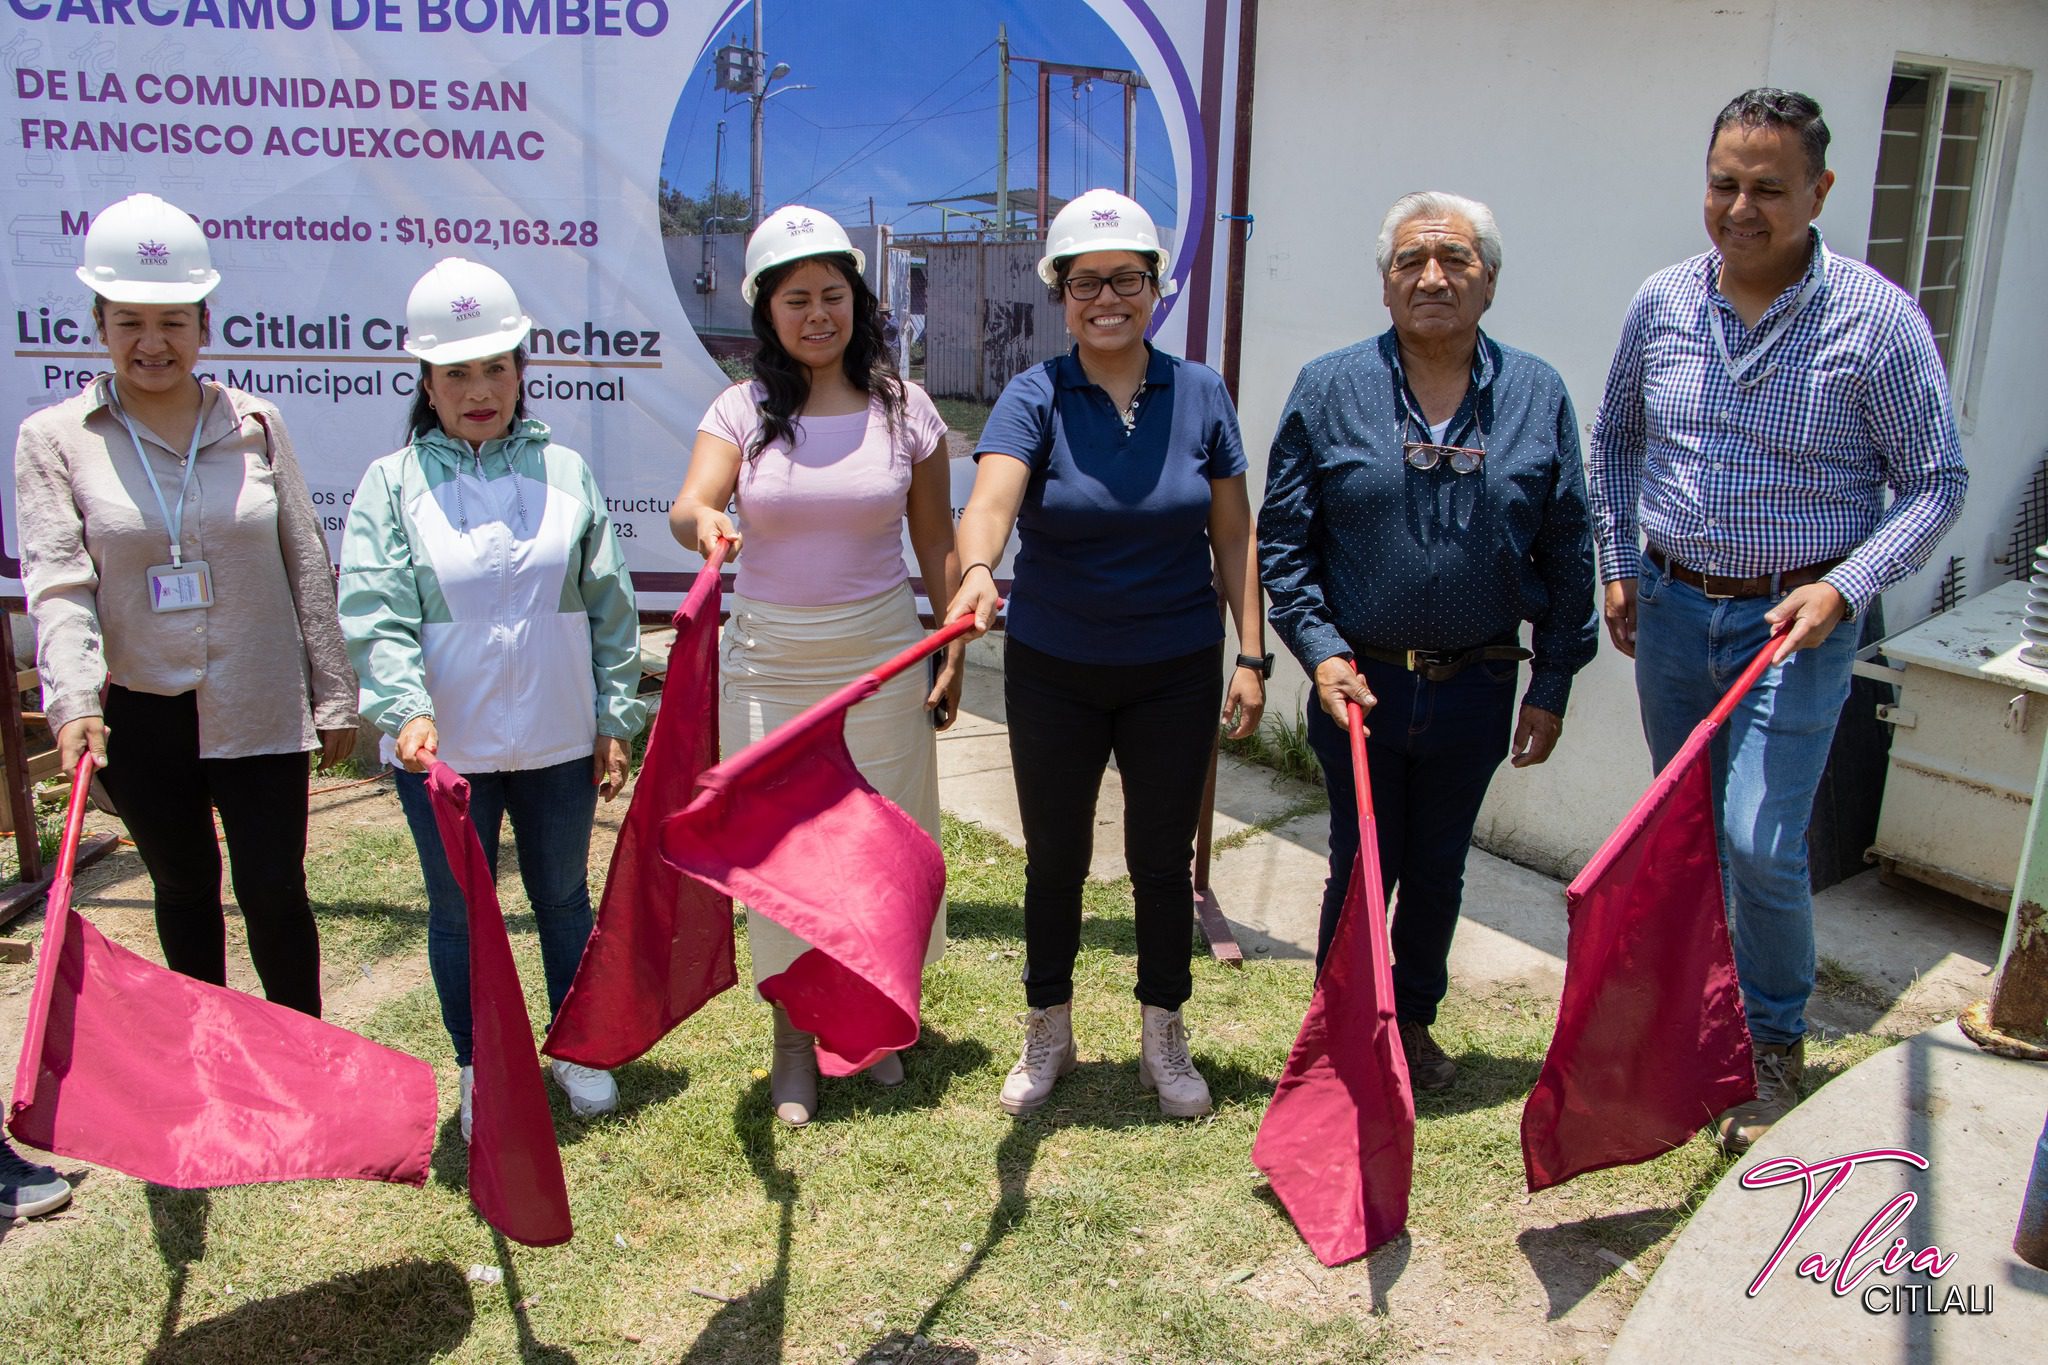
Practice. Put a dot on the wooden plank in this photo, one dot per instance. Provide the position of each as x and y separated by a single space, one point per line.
18 899
1222 943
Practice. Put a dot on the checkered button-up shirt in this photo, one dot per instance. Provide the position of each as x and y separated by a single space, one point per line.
1788 467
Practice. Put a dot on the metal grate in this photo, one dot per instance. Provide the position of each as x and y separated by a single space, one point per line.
1954 585
2029 525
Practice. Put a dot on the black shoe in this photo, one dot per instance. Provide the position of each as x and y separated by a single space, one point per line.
28 1190
1428 1067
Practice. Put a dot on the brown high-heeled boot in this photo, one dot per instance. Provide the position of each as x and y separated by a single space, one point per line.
792 1072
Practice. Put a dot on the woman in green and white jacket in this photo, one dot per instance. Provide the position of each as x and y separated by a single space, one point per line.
491 622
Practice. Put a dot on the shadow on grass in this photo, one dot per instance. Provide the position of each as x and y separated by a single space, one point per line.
1484 1081
421 1311
1098 1094
751 1326
1001 925
640 1084
177 1219
1567 1259
532 1350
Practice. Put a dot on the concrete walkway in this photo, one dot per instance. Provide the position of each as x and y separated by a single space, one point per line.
1893 961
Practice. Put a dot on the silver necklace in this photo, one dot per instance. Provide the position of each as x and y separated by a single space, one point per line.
1129 416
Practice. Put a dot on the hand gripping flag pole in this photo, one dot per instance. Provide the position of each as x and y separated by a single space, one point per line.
1651 1041
132 1066
790 827
1338 1140
663 945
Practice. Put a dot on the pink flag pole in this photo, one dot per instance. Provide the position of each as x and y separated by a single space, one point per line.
1667 777
56 920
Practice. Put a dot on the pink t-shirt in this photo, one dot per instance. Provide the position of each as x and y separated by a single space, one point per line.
824 521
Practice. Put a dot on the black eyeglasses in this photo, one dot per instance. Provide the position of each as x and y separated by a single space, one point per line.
1428 454
1126 283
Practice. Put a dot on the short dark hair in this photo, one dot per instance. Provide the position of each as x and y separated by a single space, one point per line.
1767 107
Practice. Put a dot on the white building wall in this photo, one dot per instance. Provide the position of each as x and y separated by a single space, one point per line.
1584 125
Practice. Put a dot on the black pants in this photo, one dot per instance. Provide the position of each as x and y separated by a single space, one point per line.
1066 719
1431 754
166 794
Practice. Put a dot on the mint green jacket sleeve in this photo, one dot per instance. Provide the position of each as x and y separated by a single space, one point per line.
380 605
607 594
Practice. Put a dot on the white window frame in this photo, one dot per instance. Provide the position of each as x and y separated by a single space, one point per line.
1997 157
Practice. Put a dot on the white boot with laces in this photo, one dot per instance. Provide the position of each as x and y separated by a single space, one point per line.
1164 1065
1048 1055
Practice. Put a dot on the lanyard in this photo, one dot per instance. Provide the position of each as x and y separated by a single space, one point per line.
174 514
1737 369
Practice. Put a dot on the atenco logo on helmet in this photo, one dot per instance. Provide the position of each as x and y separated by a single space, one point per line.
465 308
152 253
795 227
1103 218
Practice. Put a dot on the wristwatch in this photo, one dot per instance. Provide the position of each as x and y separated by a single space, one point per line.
1261 664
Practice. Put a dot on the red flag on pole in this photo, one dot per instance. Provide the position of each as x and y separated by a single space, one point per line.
663 944
790 827
1338 1140
175 1081
515 1168
1651 1041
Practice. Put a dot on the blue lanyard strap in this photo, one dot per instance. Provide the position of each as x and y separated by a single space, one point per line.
174 513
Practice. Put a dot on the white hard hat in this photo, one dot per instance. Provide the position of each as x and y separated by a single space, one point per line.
145 250
790 234
463 310
1100 220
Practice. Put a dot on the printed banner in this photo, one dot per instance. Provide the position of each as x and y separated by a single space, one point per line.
334 149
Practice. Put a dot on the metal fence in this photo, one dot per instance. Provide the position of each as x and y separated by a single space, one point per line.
987 316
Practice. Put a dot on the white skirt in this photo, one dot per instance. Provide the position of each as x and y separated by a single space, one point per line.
775 660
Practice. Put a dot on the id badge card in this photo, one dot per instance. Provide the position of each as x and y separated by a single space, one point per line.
180 587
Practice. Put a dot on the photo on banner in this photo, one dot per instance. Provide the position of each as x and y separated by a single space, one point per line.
332 150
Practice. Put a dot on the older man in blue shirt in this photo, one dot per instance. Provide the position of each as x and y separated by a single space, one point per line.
1424 498
1763 398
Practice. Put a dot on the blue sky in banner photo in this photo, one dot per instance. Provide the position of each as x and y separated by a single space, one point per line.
903 106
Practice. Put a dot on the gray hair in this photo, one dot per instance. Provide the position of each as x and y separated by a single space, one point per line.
1438 204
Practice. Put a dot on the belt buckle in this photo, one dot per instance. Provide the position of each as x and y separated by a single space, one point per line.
1416 663
1707 591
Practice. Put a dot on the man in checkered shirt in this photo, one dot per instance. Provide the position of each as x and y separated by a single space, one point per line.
1763 398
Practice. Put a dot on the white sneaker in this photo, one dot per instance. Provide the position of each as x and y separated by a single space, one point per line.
465 1086
590 1091
1164 1065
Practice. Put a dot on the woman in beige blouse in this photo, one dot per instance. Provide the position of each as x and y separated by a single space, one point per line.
184 607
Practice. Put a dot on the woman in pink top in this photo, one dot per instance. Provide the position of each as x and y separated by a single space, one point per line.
826 452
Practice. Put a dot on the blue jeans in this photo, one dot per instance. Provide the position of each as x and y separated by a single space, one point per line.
1430 756
551 810
1767 760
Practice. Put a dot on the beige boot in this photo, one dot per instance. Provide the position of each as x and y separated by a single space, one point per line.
1780 1068
793 1072
1048 1055
1164 1066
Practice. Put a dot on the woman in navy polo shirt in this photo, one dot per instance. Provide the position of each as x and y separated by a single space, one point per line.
1123 471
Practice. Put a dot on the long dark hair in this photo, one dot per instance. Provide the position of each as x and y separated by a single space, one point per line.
868 364
423 419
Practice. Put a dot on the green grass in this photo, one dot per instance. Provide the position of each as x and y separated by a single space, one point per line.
963 414
919 1224
1280 743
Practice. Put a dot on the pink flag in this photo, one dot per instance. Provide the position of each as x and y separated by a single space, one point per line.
1651 1042
515 1168
790 827
171 1080
1338 1140
663 943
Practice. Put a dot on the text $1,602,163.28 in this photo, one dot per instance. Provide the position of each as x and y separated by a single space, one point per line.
496 232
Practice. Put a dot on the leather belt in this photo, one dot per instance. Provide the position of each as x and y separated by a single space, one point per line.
1721 588
1441 665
